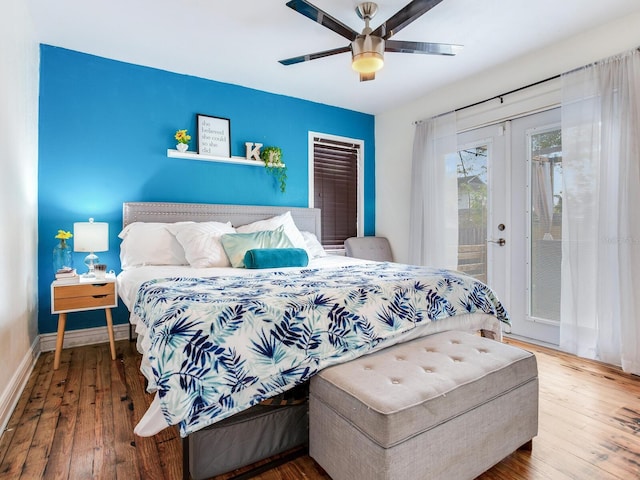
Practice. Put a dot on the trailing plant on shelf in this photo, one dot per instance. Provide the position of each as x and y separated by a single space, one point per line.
272 158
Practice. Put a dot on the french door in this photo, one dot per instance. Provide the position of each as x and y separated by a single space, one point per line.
482 211
510 218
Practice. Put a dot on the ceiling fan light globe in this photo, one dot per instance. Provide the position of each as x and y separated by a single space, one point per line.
367 62
367 54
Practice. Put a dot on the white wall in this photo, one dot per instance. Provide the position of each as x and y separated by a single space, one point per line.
19 63
394 129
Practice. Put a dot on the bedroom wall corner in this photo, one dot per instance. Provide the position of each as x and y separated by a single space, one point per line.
19 59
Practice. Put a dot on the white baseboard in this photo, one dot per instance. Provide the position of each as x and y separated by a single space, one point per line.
11 395
533 341
85 336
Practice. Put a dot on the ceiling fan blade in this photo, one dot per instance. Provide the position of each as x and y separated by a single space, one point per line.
323 18
314 56
426 48
365 77
404 17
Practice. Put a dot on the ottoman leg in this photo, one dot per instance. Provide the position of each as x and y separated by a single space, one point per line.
527 447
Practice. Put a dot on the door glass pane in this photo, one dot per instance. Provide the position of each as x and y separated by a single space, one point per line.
545 224
472 211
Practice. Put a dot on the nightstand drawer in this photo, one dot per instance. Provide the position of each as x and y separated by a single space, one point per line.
77 303
83 296
83 290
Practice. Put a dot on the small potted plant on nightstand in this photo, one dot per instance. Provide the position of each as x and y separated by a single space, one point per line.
272 158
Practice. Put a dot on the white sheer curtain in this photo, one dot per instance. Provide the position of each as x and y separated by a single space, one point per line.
600 315
433 229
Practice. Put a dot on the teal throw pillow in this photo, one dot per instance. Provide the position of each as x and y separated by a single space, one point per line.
276 258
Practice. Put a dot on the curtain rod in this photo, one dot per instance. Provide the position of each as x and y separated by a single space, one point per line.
417 122
507 93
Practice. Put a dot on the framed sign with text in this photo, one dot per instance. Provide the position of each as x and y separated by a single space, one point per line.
214 135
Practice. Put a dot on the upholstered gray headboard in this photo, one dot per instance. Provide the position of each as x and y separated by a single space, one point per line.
306 219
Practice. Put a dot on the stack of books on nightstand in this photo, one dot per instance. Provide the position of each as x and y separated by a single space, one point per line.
66 275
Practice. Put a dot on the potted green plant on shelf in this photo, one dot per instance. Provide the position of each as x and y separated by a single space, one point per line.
272 158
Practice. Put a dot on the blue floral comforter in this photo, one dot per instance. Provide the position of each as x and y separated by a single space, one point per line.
222 344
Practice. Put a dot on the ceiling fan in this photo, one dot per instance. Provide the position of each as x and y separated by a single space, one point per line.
367 48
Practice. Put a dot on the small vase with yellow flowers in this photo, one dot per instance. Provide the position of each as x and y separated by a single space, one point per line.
62 252
183 140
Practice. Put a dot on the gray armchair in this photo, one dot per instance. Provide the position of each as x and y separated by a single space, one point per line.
369 248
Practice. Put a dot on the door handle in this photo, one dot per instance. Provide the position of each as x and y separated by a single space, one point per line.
500 241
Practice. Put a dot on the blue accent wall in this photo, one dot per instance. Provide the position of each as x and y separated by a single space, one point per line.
105 127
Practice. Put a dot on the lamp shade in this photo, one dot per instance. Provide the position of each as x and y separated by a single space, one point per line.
90 236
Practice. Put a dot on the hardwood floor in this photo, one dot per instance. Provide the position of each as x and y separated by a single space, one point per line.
77 423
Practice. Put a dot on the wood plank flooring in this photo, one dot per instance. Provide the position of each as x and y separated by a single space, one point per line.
77 423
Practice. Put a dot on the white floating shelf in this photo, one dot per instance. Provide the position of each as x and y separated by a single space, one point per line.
212 158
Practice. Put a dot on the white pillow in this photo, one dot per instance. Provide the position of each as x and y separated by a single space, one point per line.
285 220
201 243
149 243
314 247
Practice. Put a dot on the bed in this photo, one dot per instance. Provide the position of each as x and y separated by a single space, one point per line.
218 341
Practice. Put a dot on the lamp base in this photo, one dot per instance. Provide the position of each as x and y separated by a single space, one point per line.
90 260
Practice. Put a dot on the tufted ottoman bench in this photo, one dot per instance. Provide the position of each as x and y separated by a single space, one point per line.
447 406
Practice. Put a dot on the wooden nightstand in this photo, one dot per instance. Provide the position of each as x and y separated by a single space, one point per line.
79 297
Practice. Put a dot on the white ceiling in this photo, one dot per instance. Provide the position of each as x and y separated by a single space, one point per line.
241 41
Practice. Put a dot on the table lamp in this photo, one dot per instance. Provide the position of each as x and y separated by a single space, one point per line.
90 237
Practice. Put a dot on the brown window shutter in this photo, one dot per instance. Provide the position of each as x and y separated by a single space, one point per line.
335 173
